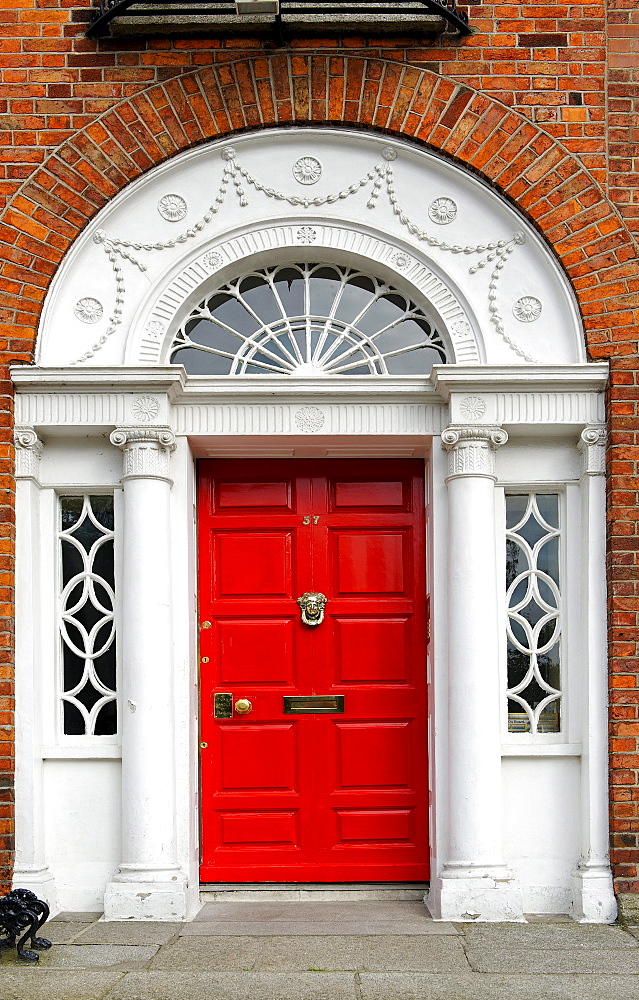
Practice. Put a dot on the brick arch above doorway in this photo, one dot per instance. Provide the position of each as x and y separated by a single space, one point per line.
532 169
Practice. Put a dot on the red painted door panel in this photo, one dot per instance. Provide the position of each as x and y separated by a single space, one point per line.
313 797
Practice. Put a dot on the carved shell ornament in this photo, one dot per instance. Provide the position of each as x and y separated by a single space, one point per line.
237 181
307 170
312 606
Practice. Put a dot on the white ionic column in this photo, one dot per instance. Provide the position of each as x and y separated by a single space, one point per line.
31 870
149 884
594 900
474 883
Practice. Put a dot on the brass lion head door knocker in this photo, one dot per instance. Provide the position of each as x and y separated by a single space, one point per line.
312 606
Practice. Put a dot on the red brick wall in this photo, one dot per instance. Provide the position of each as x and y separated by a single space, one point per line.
523 102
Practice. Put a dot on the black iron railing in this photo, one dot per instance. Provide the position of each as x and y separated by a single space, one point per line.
279 14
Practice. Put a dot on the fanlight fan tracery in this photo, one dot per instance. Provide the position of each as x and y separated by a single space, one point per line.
307 320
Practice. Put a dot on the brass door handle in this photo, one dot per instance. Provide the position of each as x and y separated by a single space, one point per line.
243 706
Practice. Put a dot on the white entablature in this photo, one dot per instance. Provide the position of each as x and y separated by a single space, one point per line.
412 219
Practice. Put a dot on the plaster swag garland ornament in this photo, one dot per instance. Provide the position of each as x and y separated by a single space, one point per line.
380 177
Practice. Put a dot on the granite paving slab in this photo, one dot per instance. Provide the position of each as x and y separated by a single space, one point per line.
71 956
308 954
413 986
204 954
547 936
229 986
403 953
61 931
127 932
39 984
500 958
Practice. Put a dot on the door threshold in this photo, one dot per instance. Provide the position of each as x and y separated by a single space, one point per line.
318 892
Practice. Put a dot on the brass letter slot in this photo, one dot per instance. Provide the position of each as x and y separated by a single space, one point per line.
313 704
223 706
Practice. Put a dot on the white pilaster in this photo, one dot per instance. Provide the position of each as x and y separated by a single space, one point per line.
150 884
594 900
31 870
474 883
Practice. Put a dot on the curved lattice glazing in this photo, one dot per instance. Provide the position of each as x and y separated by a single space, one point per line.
307 320
533 603
87 626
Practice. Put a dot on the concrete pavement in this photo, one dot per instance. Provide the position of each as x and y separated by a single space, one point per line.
326 951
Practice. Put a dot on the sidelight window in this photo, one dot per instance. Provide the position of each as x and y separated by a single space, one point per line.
307 320
86 616
533 604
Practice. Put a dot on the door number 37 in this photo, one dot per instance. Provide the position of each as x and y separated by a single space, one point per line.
308 519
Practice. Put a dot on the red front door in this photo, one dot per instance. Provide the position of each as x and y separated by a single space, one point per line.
339 792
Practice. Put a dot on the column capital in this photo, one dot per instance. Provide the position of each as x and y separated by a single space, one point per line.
592 445
471 449
29 450
147 451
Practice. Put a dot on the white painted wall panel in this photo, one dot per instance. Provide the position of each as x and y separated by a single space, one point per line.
542 828
82 831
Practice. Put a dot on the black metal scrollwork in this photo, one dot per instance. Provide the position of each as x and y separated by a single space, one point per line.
22 915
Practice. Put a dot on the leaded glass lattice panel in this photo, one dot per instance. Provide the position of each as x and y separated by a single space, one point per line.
87 608
533 602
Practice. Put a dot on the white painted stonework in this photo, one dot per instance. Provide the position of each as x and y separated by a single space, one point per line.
519 820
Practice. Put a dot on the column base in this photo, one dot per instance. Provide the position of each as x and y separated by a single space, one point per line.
484 894
39 879
593 900
164 897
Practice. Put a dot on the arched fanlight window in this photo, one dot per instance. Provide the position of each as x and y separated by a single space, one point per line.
307 320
